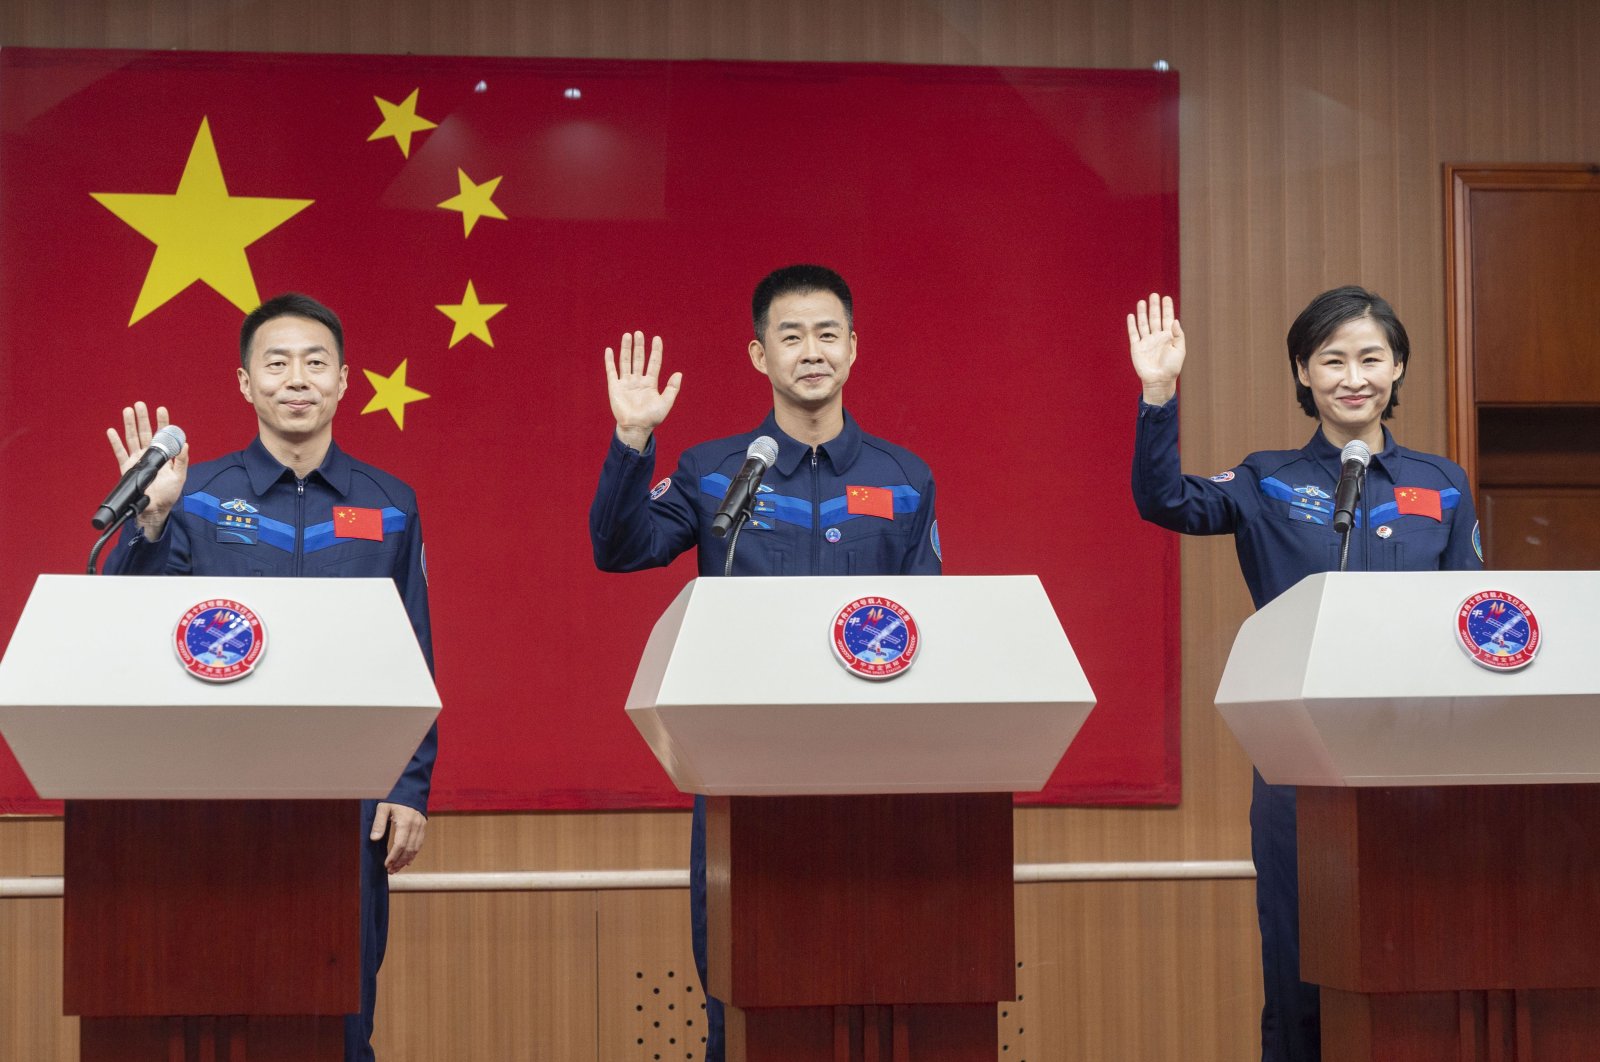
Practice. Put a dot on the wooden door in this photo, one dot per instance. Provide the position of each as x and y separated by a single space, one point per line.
1523 291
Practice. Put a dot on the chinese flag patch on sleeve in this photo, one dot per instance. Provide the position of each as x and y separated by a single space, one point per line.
1418 501
350 522
870 501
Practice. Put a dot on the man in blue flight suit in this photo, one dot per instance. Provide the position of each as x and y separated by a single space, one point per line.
836 502
293 504
1347 354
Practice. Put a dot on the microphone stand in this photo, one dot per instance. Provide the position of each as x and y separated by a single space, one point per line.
139 505
739 519
1344 536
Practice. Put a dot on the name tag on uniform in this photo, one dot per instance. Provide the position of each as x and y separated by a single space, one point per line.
238 527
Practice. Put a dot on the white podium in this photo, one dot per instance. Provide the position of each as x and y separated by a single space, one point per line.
859 843
1449 874
212 835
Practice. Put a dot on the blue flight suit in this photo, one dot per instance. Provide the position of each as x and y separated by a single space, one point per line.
245 514
1278 505
801 525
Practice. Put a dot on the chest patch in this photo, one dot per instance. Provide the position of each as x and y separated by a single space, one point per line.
239 528
352 522
1418 501
870 501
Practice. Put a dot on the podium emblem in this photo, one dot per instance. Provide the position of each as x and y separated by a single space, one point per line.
1498 630
875 638
220 640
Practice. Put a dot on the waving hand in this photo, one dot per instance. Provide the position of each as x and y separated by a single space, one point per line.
631 380
1155 342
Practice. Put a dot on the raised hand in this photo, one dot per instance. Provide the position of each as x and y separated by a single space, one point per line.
165 490
631 380
1155 342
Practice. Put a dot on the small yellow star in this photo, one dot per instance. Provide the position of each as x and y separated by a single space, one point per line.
471 317
400 120
200 231
392 393
474 201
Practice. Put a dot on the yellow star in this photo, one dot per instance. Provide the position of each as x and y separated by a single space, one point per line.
400 120
474 201
392 393
200 231
471 317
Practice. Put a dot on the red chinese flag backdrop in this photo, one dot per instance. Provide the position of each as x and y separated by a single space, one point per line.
995 226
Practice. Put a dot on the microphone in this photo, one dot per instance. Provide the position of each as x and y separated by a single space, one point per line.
1354 458
166 445
736 503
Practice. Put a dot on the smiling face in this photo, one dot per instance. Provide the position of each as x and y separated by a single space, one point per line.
1351 376
294 378
806 351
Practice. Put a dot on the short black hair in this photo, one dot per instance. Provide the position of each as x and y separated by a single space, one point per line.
797 279
1329 312
289 304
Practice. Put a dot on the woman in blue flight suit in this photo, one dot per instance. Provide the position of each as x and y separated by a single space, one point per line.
1348 353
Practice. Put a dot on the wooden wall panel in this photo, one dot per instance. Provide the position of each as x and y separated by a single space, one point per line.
650 1003
1312 137
31 1025
1135 972
486 977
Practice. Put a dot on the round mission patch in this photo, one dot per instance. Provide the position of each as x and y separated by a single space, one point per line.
875 638
220 640
1497 630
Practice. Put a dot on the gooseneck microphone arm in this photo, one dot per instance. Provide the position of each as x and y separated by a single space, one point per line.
139 506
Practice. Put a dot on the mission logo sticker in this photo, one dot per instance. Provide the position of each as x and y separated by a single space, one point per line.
220 640
875 638
1498 631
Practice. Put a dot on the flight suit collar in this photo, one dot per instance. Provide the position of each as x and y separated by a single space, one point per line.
265 470
841 450
1324 453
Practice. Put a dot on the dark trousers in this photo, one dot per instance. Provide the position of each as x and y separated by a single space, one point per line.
714 1052
1291 1020
374 937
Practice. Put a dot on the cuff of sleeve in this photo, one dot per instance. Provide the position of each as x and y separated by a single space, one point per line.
136 539
627 453
1158 412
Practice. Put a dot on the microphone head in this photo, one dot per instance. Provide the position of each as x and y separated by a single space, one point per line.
765 450
169 440
1355 450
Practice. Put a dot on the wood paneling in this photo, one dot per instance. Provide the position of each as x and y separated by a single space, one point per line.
1535 275
212 907
1312 138
1542 530
1443 888
31 1024
1135 972
487 977
883 899
650 1002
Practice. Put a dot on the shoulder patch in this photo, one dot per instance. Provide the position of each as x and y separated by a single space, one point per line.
1223 477
660 488
933 538
1477 542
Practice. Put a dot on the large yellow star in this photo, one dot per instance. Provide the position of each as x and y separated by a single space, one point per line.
400 120
471 317
392 393
474 201
200 231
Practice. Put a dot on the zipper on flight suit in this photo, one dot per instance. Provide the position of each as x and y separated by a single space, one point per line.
816 516
299 525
